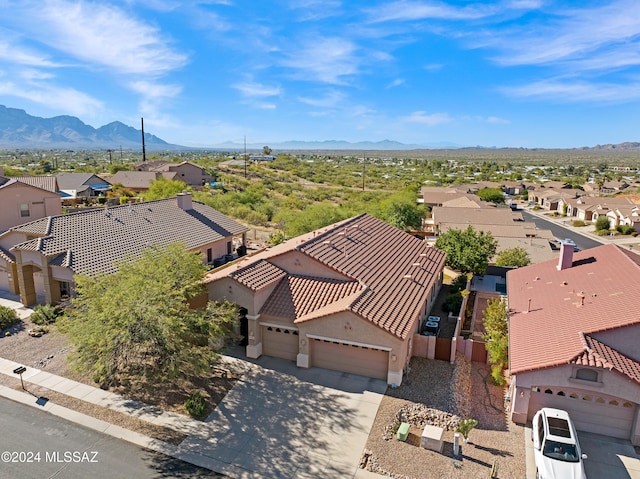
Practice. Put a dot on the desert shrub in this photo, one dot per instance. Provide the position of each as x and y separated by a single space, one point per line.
603 232
453 303
602 223
44 314
625 229
8 317
196 405
459 283
579 223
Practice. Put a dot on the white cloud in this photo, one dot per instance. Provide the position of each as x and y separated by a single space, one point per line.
497 120
98 35
155 90
563 90
266 106
253 89
395 83
405 10
326 60
331 99
12 53
57 98
427 119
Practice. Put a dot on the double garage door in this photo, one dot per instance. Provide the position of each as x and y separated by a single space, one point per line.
370 362
590 411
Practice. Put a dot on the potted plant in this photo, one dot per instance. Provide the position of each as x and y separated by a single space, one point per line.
465 427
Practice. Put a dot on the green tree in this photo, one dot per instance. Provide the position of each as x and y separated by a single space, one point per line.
515 257
495 321
137 323
266 151
468 251
602 223
492 195
164 188
313 218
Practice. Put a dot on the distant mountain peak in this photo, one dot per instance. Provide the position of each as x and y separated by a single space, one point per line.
18 129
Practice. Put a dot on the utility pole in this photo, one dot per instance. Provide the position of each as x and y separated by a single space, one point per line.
109 151
144 153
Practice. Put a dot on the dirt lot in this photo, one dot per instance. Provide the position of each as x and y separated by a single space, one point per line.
50 352
467 393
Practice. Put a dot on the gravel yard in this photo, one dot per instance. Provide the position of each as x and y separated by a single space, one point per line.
462 390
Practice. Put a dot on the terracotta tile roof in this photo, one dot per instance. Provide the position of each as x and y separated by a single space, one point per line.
599 355
548 308
257 275
93 241
297 296
397 269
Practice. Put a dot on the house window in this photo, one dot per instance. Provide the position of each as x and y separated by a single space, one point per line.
65 289
229 250
587 374
24 210
209 255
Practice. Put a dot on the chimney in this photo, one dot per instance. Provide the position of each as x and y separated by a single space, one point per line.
184 200
566 255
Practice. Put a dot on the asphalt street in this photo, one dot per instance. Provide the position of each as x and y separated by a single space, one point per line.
560 231
35 444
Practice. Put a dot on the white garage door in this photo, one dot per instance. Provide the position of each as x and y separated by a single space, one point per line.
348 358
591 412
280 342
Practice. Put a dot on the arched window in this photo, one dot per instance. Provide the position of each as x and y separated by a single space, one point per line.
587 374
548 391
561 393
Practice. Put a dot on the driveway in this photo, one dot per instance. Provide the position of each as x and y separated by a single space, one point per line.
283 422
608 457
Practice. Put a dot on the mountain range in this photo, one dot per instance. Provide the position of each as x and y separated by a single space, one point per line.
18 129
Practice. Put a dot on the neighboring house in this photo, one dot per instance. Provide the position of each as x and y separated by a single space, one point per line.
348 297
507 227
140 181
439 198
513 187
574 330
190 173
40 258
21 202
49 183
629 216
81 185
609 187
588 208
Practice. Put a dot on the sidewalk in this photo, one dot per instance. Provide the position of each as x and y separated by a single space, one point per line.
256 432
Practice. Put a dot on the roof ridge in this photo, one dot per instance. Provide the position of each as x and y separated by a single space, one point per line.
335 227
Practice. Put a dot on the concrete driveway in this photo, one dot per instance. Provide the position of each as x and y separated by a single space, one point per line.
283 422
608 457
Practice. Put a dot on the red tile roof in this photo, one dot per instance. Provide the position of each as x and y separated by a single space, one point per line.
599 355
298 296
257 275
548 308
396 270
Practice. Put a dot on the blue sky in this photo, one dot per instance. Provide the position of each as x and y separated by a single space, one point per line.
519 73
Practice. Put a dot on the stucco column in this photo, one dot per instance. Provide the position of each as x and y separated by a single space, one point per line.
254 346
49 283
635 430
302 359
14 287
520 403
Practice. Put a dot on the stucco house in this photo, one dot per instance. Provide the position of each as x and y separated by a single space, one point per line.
140 181
38 260
190 173
348 297
81 185
574 330
22 202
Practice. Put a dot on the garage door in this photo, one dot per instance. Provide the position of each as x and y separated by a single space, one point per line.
348 358
280 342
591 412
4 281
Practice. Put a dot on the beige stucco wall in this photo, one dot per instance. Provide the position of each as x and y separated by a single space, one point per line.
625 340
41 203
610 383
190 174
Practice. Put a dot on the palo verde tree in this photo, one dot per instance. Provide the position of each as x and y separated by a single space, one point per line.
515 257
137 323
164 188
468 251
495 321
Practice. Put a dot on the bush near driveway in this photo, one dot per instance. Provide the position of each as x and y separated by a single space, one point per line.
8 317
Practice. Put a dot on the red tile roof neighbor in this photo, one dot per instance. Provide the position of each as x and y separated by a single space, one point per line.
395 270
550 308
599 355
